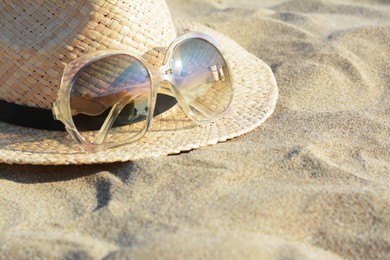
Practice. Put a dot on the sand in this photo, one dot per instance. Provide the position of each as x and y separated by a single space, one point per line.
313 182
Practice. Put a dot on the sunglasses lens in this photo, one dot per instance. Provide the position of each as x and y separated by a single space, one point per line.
201 75
110 92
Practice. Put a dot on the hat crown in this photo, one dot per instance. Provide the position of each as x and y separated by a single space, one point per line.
38 38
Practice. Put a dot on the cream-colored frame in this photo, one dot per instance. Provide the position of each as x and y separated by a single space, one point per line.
161 82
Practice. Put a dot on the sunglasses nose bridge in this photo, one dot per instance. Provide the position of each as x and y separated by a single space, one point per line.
164 77
165 87
165 72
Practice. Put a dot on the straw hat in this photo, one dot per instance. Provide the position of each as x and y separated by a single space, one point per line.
37 40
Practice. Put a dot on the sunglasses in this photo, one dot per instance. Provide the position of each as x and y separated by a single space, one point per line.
111 92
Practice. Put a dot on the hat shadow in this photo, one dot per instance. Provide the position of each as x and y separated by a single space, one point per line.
37 174
33 174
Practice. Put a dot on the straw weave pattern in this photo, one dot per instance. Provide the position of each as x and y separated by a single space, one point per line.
38 38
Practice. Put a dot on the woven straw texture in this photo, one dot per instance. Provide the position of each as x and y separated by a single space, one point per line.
171 132
38 37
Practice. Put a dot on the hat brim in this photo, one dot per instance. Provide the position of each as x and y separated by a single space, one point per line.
255 97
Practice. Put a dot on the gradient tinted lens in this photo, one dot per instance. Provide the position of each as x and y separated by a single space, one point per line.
112 91
202 77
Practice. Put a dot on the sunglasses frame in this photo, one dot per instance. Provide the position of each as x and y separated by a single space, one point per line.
160 82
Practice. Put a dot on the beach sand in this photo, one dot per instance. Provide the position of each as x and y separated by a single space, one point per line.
313 182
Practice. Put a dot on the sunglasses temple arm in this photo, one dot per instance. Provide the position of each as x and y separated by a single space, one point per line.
115 111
